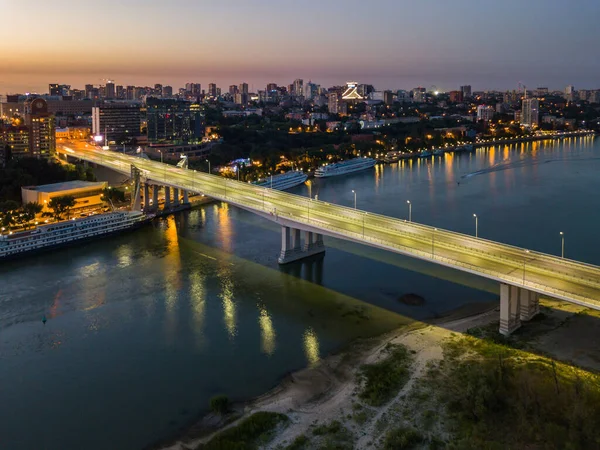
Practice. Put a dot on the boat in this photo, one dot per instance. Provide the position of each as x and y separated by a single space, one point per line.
425 154
67 232
439 151
284 181
345 167
395 156
469 147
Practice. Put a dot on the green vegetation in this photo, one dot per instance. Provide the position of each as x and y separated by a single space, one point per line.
11 214
250 434
402 438
500 397
299 443
333 436
61 206
383 379
219 404
33 172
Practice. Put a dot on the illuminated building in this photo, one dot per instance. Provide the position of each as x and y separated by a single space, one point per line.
109 89
171 120
298 90
570 93
233 89
466 91
485 113
336 105
116 121
42 141
212 90
530 112
16 138
456 96
351 92
167 91
87 194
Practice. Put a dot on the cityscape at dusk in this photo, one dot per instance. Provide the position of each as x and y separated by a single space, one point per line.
256 225
392 44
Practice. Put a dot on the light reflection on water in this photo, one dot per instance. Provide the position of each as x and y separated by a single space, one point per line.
149 324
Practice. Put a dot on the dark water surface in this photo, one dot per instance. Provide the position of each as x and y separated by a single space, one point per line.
145 327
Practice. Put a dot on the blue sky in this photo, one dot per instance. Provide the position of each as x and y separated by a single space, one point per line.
388 43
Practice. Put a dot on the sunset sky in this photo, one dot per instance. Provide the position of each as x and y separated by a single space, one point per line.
389 43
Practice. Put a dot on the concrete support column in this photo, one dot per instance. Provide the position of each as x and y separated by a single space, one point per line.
530 304
186 199
309 241
146 196
296 240
167 197
155 190
319 242
510 309
285 244
176 196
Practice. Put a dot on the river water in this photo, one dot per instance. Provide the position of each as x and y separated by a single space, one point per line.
145 327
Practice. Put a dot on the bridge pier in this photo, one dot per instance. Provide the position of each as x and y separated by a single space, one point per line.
167 197
155 191
175 196
516 305
293 248
146 196
186 199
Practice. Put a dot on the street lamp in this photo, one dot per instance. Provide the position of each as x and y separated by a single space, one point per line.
208 165
476 225
562 246
409 210
354 192
161 156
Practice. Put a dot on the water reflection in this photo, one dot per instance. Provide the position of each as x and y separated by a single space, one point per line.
311 347
198 304
227 300
267 331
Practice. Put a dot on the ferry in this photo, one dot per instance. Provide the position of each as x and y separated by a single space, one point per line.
439 151
345 167
284 181
395 156
64 233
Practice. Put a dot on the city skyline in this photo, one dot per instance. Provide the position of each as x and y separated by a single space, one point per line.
393 45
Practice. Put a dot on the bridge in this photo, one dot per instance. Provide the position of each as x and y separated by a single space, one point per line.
523 274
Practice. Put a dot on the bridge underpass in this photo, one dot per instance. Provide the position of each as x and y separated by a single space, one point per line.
523 274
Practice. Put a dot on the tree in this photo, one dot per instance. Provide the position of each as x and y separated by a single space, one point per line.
30 210
219 404
61 205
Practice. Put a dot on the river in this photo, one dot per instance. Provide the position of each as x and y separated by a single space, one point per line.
145 327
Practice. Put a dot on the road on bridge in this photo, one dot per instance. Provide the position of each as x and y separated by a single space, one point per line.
546 274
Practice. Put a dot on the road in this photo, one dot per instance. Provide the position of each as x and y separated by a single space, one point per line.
548 275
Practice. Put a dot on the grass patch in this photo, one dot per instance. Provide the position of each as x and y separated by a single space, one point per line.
333 436
402 438
381 380
299 443
500 397
249 434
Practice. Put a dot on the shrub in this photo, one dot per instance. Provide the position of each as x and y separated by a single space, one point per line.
219 404
402 438
248 433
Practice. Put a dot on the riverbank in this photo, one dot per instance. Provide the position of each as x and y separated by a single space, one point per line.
314 399
503 141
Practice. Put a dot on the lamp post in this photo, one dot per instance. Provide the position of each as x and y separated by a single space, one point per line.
309 189
526 251
161 156
562 244
476 225
271 180
354 192
208 165
409 210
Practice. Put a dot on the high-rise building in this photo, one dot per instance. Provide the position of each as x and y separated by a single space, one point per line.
336 105
298 89
455 96
388 97
171 120
167 91
570 93
120 91
88 90
485 113
130 93
109 90
16 138
42 137
310 90
530 112
466 91
243 88
212 90
271 87
59 89
233 89
53 89
116 121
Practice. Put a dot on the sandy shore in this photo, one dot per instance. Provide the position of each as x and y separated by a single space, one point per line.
328 392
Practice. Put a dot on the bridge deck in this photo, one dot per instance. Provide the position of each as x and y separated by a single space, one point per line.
546 274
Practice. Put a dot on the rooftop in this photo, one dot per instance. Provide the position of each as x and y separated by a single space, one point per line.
67 186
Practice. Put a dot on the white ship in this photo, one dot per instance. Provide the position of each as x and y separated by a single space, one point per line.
345 167
64 233
284 181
